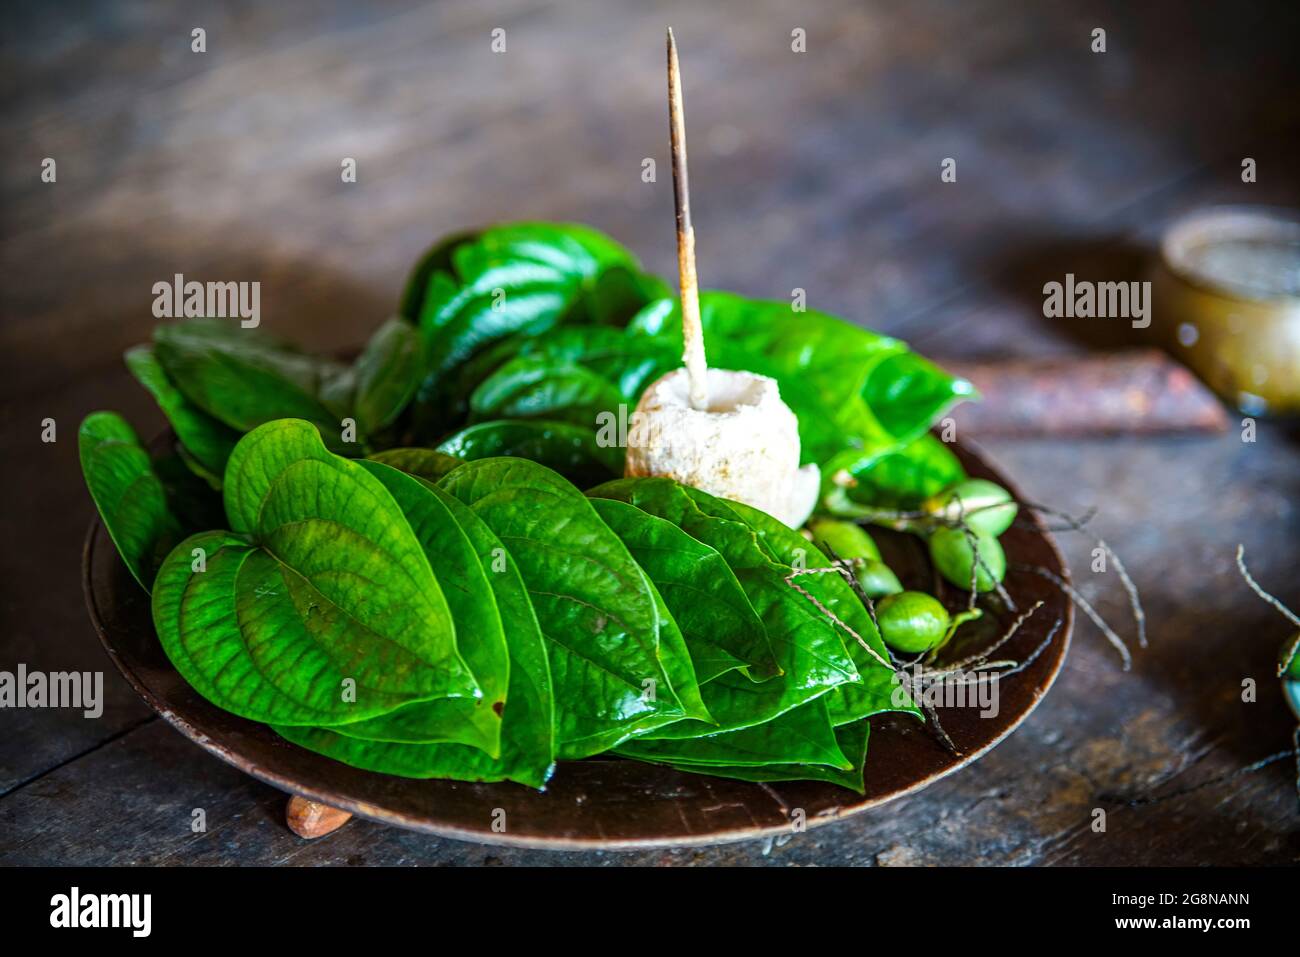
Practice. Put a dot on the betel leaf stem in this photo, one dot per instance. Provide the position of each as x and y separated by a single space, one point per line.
692 328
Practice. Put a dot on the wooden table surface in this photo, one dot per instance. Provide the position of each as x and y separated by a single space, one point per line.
817 170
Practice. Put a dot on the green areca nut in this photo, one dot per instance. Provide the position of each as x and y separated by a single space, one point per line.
981 505
843 540
952 550
877 579
912 621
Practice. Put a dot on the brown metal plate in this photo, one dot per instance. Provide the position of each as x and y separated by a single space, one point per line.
603 803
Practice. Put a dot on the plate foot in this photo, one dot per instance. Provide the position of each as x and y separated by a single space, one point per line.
310 819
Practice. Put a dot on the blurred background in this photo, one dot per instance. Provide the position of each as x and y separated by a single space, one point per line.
817 170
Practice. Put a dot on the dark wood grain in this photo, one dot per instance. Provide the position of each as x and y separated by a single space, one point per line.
818 171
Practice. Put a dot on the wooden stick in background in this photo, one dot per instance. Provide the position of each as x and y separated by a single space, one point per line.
1138 392
692 330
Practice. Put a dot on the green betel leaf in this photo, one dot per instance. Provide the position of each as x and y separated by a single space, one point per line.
130 497
877 689
907 392
531 387
245 379
711 662
903 478
850 388
721 628
575 452
507 280
626 362
527 732
802 736
480 639
227 619
388 371
557 256
436 259
675 657
852 740
473 291
595 606
207 441
622 291
350 560
528 735
811 657
427 464
190 496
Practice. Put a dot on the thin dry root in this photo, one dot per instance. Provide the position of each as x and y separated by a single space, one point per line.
1072 524
1087 609
976 564
1285 663
835 620
1011 633
847 569
922 673
938 728
1033 656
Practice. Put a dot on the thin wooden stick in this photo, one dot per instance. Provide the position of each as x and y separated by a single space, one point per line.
692 330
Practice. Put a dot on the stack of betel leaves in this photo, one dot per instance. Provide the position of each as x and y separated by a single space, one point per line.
425 562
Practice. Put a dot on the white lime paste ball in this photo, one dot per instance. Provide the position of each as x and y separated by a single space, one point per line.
744 446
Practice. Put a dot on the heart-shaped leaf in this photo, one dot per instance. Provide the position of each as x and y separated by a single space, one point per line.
877 689
323 581
720 626
228 620
480 638
906 392
526 276
595 605
476 290
809 652
527 731
904 477
626 362
529 387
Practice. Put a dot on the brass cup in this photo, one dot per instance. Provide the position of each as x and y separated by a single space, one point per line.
1226 297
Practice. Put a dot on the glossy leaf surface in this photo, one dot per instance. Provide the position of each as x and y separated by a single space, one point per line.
130 496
